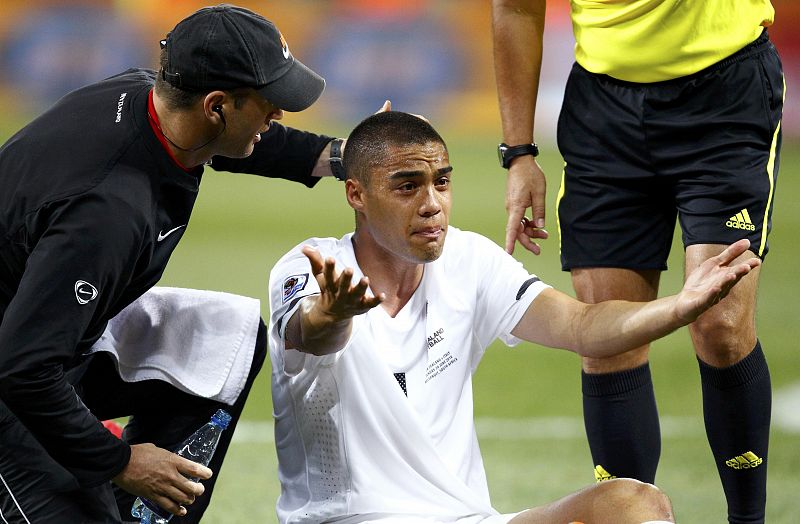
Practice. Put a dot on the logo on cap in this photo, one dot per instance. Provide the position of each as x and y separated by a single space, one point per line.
284 46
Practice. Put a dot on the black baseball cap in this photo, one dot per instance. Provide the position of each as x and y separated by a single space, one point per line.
227 47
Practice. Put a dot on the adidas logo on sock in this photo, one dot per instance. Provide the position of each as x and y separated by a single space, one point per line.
600 474
741 220
747 460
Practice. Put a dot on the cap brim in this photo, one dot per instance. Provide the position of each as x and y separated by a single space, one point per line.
296 90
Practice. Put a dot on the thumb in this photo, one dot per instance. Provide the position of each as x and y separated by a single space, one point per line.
315 258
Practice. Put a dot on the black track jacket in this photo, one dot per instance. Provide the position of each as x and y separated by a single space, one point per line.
90 211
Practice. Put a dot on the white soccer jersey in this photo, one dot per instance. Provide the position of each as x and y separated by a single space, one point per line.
386 424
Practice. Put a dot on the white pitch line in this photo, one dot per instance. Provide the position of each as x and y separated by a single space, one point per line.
785 418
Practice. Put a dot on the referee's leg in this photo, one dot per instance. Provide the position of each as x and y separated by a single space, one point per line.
165 416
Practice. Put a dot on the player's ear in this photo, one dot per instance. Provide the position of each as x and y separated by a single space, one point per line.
355 193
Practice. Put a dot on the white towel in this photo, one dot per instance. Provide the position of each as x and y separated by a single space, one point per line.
199 341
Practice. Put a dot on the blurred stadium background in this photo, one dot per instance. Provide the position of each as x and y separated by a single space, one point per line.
431 57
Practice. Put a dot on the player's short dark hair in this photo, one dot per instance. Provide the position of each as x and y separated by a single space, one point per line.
369 143
177 99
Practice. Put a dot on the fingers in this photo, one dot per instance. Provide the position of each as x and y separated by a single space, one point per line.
525 232
733 251
329 274
192 469
387 106
513 227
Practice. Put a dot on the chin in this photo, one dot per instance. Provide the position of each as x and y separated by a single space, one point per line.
431 253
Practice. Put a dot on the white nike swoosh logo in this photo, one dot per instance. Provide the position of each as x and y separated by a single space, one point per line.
285 50
162 235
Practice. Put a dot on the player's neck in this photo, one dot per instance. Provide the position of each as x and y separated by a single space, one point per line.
398 279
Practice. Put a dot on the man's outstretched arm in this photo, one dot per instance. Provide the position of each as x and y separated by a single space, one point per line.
608 328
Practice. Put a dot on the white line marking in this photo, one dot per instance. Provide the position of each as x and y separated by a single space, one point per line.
14 499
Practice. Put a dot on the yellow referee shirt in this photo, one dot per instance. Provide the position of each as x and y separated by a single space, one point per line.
654 40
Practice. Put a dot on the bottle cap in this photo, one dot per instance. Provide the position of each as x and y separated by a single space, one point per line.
221 418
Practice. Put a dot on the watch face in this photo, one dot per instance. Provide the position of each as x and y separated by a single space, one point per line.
501 153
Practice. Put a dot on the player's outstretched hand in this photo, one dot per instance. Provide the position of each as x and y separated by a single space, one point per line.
526 188
339 299
713 280
161 477
324 322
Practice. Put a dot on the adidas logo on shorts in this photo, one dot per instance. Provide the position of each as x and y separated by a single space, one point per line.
741 220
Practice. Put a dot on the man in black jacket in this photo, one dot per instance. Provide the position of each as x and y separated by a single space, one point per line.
94 196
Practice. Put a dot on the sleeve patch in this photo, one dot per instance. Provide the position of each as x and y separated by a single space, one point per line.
292 285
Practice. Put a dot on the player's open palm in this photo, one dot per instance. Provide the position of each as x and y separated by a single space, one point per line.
339 298
713 280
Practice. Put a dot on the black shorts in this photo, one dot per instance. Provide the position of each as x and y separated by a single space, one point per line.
703 147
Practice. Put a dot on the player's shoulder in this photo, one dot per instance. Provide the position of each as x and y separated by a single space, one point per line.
462 243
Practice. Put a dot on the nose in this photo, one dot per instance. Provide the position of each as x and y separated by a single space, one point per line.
431 201
276 114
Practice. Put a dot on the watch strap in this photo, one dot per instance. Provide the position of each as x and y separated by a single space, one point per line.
509 153
335 159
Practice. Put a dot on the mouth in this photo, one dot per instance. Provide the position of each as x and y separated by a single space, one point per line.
257 138
430 233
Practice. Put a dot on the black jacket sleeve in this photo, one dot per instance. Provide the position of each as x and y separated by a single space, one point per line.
92 239
283 152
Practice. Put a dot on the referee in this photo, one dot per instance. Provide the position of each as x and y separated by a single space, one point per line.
94 196
672 110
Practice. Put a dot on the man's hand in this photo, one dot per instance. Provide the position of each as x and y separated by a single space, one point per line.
323 323
338 300
713 280
161 477
526 188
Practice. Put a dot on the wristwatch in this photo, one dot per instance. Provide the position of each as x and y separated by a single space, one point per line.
507 153
335 159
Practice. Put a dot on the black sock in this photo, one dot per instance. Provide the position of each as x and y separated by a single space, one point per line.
737 401
621 420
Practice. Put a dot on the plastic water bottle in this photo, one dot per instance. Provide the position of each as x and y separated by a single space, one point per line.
199 447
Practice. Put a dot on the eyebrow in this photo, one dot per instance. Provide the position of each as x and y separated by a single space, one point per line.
412 174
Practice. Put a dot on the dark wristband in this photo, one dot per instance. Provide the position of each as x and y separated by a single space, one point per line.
335 159
507 153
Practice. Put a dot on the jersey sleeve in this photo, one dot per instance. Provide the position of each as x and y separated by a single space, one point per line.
283 152
75 273
290 281
505 290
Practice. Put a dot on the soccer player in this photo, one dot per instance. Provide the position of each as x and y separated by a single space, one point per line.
374 338
672 109
94 196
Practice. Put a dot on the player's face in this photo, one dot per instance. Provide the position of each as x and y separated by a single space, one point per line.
407 202
246 123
